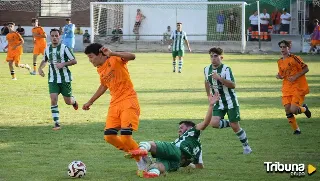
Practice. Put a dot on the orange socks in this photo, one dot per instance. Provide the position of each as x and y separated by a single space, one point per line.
116 142
293 123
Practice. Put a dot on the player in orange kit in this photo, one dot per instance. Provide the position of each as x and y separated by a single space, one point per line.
292 71
124 110
15 42
40 43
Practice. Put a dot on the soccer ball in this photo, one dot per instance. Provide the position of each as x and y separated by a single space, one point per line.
77 169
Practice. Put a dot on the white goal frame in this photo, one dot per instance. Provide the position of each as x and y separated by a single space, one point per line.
243 21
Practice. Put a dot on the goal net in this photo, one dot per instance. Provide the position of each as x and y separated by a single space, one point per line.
147 26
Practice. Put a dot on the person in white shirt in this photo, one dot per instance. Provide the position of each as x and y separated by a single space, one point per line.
285 22
254 26
264 24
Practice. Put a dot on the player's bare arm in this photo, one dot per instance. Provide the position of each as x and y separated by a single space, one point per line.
227 83
40 69
212 100
296 76
127 56
188 45
21 43
207 86
101 90
278 76
65 64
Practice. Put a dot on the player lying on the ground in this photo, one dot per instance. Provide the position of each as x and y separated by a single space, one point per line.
184 150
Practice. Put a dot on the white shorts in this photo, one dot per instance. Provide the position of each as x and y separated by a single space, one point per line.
220 28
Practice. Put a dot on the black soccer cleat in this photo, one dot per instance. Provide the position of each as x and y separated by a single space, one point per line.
307 113
297 132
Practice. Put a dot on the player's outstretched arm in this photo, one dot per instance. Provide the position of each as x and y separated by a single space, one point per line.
127 56
101 90
212 100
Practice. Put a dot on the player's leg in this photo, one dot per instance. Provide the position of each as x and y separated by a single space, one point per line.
113 124
36 52
54 91
216 121
234 118
174 55
180 55
129 116
18 64
286 102
10 63
66 91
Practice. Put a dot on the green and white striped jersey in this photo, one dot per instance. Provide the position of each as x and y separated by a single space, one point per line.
55 55
189 144
178 40
228 97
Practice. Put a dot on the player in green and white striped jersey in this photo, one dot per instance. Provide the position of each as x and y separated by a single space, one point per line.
219 78
178 37
185 150
59 57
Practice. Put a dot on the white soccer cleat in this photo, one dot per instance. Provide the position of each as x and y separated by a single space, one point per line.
247 150
14 79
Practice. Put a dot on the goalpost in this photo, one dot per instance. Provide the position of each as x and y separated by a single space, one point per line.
207 24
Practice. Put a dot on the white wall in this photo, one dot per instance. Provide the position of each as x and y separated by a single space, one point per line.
157 19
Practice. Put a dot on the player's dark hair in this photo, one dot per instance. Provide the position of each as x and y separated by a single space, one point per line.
33 20
93 48
179 23
68 19
54 29
216 50
287 43
187 123
10 23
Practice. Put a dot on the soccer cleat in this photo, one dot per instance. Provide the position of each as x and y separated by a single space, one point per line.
247 150
179 71
14 78
75 105
174 70
56 127
307 113
149 175
138 152
33 73
28 67
297 132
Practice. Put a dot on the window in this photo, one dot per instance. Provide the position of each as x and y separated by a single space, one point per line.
60 8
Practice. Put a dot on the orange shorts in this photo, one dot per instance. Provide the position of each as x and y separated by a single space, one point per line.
124 114
39 49
294 99
315 42
13 57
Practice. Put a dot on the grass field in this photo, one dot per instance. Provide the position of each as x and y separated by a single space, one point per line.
30 150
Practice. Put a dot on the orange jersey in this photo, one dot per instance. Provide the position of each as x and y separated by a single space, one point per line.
39 31
114 74
14 39
289 67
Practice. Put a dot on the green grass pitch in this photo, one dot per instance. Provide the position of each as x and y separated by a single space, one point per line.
30 150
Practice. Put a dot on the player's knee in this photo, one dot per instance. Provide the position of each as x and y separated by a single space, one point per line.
109 134
294 109
289 115
126 131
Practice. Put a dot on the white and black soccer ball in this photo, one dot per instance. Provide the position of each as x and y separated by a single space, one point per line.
77 169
